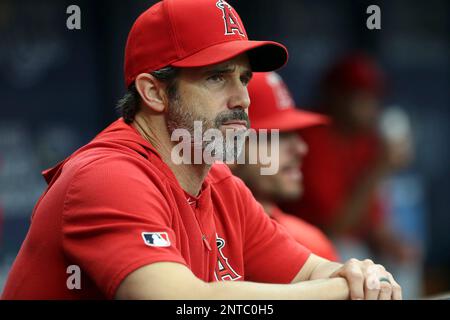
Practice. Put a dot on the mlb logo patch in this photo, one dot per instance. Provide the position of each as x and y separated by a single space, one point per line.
156 239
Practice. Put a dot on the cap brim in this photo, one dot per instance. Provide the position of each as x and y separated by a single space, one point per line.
263 55
290 120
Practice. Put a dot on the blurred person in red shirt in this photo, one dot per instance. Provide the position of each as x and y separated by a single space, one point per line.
272 107
349 158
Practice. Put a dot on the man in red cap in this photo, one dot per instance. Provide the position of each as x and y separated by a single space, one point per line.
120 219
272 107
348 159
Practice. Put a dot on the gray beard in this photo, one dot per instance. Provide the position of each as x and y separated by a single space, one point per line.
230 149
226 150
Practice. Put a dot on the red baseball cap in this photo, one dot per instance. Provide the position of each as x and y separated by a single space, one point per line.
272 106
356 72
188 33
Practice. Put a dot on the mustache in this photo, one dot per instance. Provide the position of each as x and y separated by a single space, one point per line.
236 114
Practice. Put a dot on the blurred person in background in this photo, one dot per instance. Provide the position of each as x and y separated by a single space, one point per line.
272 107
348 160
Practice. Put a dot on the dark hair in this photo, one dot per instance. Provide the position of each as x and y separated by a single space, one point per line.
129 105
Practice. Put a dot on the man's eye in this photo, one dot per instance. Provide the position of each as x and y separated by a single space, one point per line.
245 80
216 78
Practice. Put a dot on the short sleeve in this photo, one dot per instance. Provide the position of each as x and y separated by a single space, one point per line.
110 209
271 254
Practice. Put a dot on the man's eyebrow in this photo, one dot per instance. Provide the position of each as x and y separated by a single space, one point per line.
221 69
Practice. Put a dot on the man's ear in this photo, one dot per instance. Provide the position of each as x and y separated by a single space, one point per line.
151 91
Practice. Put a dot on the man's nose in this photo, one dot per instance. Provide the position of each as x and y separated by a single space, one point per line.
239 97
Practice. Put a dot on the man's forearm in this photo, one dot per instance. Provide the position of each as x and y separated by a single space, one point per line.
330 289
315 268
324 270
167 280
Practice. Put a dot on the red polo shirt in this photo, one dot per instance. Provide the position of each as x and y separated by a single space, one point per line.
114 206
